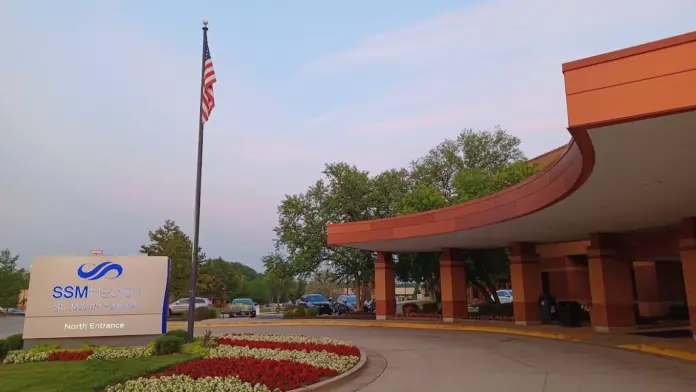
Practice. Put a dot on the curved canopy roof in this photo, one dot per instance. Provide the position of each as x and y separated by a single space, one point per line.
631 116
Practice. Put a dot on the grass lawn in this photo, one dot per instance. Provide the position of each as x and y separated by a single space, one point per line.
79 376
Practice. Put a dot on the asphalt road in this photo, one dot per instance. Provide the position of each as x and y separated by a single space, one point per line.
431 360
10 325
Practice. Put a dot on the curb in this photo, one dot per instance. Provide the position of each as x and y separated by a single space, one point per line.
350 372
573 338
661 351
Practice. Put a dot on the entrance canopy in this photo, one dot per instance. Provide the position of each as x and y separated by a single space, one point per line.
629 165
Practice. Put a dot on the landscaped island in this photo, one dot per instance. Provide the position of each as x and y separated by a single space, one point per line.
229 363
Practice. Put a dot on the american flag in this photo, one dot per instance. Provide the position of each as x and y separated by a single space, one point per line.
208 98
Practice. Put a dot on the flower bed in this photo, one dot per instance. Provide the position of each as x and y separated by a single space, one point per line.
96 353
274 374
419 315
251 363
229 363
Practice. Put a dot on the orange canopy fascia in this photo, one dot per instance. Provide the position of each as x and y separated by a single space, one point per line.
640 82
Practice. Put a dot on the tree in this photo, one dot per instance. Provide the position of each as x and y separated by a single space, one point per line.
169 240
12 279
344 194
472 165
489 150
8 262
220 278
279 273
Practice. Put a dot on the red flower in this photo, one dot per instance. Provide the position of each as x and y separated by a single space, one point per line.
69 355
282 374
341 350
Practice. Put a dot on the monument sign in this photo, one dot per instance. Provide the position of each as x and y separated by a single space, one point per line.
99 300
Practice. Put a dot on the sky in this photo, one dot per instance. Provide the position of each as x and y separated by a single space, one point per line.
99 103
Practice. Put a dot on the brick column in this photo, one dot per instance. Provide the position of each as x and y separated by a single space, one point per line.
525 276
385 286
687 251
650 301
611 285
453 284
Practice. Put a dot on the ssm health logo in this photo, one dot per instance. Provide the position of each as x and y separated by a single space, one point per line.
107 269
93 272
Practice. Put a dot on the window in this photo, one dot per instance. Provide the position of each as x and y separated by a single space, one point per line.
316 298
182 301
200 301
503 293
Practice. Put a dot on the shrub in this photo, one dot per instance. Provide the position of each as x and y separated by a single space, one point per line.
14 342
194 349
495 310
177 332
4 348
311 313
201 314
43 348
411 308
213 313
429 307
300 312
288 314
165 345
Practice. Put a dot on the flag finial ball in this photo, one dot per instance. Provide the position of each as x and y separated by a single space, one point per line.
205 22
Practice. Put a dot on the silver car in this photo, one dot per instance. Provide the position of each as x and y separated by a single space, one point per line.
182 305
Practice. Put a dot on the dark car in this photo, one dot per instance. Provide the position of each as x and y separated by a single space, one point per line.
316 301
345 304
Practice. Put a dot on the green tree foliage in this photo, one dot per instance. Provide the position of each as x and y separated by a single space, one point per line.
169 240
470 166
279 275
12 279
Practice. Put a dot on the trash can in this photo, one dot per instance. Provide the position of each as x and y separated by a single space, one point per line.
544 307
569 313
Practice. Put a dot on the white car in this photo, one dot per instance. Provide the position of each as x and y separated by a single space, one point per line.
182 305
505 296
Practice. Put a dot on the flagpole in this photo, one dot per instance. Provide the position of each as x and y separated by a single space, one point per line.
197 208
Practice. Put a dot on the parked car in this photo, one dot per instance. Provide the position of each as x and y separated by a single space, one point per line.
369 306
182 305
505 296
241 307
11 312
316 301
349 300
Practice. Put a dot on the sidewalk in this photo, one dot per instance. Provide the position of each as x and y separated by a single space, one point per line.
681 348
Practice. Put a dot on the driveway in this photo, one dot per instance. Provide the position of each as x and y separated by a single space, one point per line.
431 360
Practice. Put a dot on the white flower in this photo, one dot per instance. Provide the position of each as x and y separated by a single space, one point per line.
187 384
285 339
119 353
25 357
314 358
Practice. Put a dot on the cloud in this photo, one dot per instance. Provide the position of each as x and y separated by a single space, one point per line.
99 139
495 62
